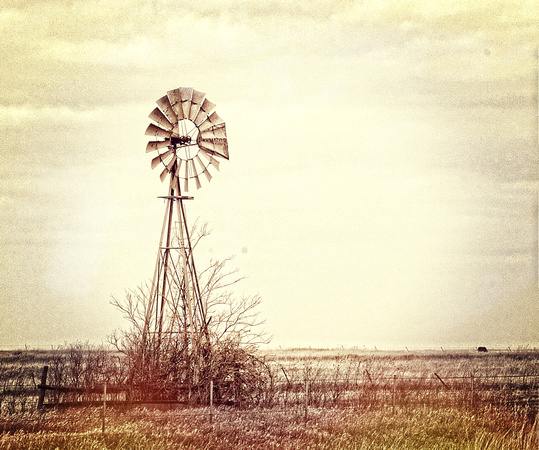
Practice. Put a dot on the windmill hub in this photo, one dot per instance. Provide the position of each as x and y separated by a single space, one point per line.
182 140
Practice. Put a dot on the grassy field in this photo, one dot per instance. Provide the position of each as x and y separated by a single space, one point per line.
325 428
326 399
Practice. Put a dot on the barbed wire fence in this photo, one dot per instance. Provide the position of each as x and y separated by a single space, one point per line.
303 391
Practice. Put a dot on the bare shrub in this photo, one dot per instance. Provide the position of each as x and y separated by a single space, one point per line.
83 365
15 389
179 361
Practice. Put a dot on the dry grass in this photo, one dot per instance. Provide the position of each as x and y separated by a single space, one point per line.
347 408
326 428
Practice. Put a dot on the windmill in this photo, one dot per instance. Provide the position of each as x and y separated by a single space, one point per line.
189 138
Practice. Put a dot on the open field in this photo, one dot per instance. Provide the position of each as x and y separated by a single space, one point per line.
317 399
326 428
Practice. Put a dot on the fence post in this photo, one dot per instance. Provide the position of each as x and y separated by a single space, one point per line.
286 376
306 398
104 407
41 399
472 390
441 381
211 401
368 376
394 391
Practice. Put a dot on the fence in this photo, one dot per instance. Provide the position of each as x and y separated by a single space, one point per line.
520 390
307 396
395 390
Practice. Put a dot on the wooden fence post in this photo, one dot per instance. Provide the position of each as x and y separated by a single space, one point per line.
440 379
211 401
104 407
286 376
472 390
306 398
394 392
41 399
368 376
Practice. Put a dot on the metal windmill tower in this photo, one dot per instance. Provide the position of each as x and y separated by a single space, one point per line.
189 138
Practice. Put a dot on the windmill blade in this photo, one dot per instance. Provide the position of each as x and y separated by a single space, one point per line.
171 162
160 119
161 158
208 174
197 182
185 95
175 184
216 145
177 173
168 168
194 172
205 109
212 120
204 168
163 175
166 107
175 178
175 102
211 159
186 179
196 102
218 131
209 153
156 145
154 130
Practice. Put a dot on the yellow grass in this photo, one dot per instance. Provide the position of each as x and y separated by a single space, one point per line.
326 428
414 422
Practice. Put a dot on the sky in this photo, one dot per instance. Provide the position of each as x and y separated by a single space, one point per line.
382 182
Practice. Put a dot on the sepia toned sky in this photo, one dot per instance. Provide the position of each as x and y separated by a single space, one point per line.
382 182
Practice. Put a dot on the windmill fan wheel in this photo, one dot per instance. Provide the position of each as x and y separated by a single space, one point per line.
189 137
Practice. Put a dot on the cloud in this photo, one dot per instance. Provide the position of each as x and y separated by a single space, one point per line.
84 53
382 152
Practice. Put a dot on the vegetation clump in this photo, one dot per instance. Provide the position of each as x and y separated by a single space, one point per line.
175 355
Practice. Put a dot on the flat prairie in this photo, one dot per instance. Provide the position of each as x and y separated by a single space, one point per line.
317 398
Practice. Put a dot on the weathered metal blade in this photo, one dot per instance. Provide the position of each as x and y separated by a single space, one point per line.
161 158
154 130
186 94
209 155
175 102
218 146
168 168
156 145
196 102
166 107
175 184
204 168
217 131
208 174
163 175
186 179
205 109
194 173
211 121
179 161
158 117
171 163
